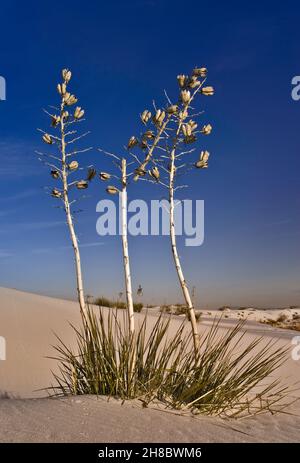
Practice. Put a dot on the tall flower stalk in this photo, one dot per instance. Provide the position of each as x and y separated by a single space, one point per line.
62 166
122 180
165 147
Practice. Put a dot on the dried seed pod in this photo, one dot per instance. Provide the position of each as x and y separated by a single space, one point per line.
193 124
133 141
143 144
65 115
193 82
207 91
73 165
172 109
159 117
70 99
185 96
62 89
91 174
183 114
154 173
47 139
78 113
206 129
149 134
200 72
104 176
56 193
186 130
182 80
55 120
54 174
145 116
203 160
82 184
140 171
112 190
190 139
66 75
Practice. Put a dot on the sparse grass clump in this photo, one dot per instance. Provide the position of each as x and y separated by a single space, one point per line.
105 302
217 380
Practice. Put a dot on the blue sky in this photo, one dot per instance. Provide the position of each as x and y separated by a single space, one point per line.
123 54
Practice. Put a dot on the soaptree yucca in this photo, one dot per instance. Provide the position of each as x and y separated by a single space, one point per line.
61 159
121 181
165 146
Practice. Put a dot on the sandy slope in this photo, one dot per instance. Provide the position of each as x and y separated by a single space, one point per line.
27 322
91 419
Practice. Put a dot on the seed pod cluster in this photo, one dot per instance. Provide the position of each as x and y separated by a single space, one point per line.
207 91
66 75
145 116
70 99
54 174
140 171
182 80
73 165
112 190
91 174
154 172
55 120
47 139
78 113
82 184
203 160
206 129
133 141
62 89
194 82
56 193
159 116
185 96
104 176
200 72
148 135
172 109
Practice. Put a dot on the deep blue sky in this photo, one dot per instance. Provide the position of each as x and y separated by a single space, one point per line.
123 54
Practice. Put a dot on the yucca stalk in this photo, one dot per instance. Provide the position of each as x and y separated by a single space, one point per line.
123 180
173 128
127 274
61 122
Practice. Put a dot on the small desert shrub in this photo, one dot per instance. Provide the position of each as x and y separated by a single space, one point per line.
197 316
219 379
224 307
282 318
165 308
180 310
137 307
105 302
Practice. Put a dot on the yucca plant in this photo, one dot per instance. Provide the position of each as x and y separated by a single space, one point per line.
121 189
155 366
165 147
62 162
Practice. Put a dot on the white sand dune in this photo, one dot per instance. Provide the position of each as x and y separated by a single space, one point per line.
28 323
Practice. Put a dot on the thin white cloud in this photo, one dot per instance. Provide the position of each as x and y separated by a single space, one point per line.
4 253
60 248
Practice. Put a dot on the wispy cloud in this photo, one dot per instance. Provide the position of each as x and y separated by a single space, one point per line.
17 159
61 248
21 195
4 253
30 226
